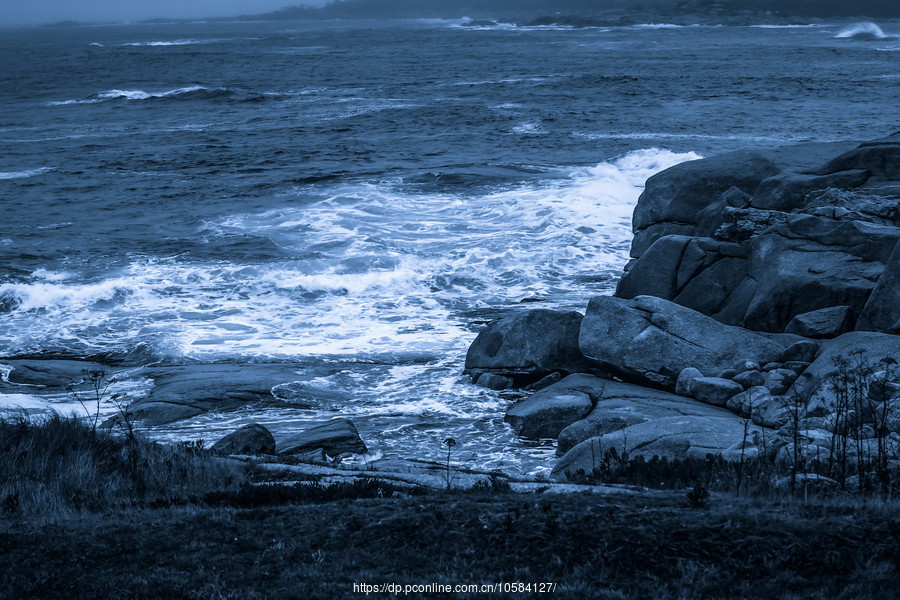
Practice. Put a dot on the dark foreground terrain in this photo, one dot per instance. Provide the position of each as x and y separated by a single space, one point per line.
643 546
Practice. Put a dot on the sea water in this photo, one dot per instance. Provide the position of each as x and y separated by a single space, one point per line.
357 198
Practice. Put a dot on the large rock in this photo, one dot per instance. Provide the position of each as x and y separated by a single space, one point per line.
672 199
790 238
249 439
619 405
882 310
335 437
531 344
810 263
651 339
822 323
880 158
670 437
548 412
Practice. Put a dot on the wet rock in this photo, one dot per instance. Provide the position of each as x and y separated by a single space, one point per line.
672 199
653 340
822 323
797 366
800 239
249 439
492 381
533 344
187 391
335 437
49 373
548 411
742 365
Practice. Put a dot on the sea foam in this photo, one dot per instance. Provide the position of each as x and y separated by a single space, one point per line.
372 271
866 31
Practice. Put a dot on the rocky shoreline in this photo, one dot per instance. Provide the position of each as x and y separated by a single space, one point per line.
758 317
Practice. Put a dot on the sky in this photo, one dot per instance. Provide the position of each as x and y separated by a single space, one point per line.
34 12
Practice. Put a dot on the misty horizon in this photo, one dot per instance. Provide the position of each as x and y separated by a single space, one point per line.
48 12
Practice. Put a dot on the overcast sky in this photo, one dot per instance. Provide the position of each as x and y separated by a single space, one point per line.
30 12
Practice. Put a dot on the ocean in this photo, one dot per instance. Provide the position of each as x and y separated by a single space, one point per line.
358 197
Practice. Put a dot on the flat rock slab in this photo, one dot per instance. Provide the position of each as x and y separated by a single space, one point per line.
654 339
620 405
186 391
49 373
674 437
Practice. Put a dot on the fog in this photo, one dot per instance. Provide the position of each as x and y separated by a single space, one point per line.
35 12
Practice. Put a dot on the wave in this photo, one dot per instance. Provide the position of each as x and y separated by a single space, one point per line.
23 174
866 31
385 269
661 26
194 92
168 43
797 26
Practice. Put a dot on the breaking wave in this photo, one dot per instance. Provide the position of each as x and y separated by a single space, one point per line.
194 92
371 270
866 31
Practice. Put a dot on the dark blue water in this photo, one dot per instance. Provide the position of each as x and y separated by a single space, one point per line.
356 194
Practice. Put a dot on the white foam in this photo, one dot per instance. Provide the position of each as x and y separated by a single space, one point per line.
387 275
24 174
117 94
187 42
11 403
808 26
864 31
659 26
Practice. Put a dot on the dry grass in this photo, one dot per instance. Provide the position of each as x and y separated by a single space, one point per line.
58 467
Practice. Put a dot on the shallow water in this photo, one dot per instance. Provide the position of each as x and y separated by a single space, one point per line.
355 197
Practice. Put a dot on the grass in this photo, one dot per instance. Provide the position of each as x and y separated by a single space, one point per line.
59 467
91 522
622 548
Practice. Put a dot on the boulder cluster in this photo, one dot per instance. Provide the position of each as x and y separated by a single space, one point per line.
759 316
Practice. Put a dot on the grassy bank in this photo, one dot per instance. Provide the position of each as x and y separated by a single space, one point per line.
57 467
98 516
590 547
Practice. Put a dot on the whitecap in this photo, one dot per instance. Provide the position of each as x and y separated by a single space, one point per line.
865 31
796 26
24 174
187 42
